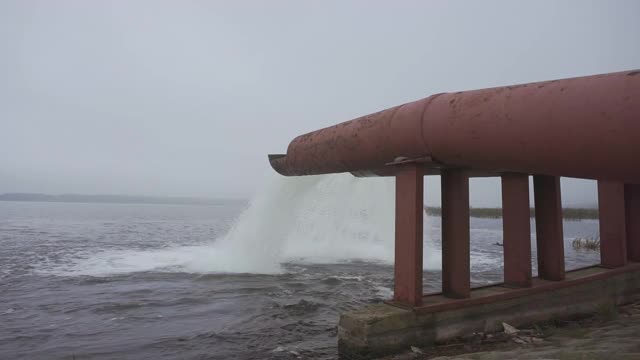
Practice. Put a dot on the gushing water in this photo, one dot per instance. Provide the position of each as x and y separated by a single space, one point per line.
317 219
321 219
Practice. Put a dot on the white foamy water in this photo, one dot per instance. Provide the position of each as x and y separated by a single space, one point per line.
311 219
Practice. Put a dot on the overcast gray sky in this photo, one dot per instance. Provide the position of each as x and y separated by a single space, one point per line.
186 98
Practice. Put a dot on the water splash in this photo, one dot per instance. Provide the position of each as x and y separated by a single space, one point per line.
316 219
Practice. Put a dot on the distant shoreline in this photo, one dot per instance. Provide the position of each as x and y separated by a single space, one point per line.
487 213
496 213
116 199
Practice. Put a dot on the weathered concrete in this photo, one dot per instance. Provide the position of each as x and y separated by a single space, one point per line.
611 333
382 329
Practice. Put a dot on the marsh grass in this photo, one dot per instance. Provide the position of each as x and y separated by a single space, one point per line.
587 243
496 213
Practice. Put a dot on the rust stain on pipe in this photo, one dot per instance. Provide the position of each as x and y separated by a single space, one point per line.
586 127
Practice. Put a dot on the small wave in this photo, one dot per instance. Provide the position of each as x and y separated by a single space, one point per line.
118 307
8 311
349 277
384 292
189 259
302 307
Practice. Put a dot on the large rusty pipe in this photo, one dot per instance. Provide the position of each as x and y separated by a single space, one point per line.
586 127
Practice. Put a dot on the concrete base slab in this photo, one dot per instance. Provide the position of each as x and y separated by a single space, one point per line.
382 329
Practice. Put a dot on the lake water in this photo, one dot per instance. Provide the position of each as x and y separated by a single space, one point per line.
245 281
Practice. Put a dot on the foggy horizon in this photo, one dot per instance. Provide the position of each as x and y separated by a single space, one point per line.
433 189
186 99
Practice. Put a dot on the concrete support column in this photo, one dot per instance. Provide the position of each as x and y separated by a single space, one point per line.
516 230
549 235
632 207
408 242
455 234
613 232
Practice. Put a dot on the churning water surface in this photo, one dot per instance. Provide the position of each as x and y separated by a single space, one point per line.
263 280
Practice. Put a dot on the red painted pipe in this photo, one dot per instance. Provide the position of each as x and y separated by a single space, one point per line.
585 127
